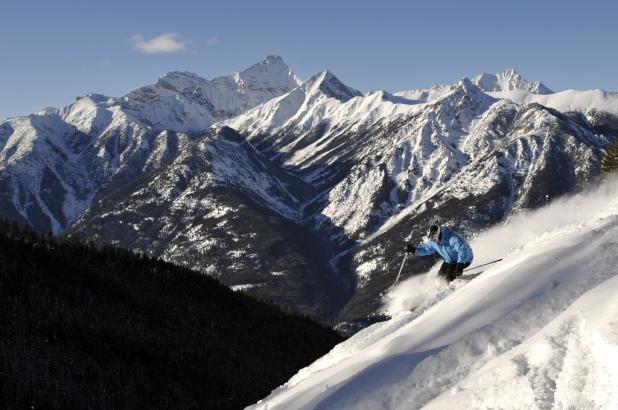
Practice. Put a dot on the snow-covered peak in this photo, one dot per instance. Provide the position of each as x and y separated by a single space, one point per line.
184 101
464 86
270 73
328 84
439 92
325 100
461 97
91 114
509 80
304 107
178 81
47 111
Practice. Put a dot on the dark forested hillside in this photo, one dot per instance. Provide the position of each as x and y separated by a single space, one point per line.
104 328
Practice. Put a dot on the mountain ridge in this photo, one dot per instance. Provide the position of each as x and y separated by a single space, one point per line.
82 146
316 170
509 80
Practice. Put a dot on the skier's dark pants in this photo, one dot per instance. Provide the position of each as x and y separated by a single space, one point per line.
449 270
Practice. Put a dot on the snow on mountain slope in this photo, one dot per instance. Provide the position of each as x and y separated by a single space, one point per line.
343 138
303 107
422 95
570 100
218 205
535 331
511 86
398 161
51 169
525 157
53 163
507 81
302 146
184 102
41 183
376 154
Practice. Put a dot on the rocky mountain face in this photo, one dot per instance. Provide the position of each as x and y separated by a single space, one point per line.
222 207
299 192
53 163
185 102
513 168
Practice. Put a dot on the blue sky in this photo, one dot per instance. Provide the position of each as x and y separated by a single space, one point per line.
53 51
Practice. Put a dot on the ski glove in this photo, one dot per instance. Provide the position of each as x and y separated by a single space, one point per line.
410 248
460 267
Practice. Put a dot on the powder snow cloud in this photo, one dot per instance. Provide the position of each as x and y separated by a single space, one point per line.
165 43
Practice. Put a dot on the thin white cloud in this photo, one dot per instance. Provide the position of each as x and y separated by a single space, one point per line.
212 41
165 43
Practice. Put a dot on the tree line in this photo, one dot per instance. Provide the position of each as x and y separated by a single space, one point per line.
609 163
100 327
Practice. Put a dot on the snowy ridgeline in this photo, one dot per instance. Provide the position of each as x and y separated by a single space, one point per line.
537 330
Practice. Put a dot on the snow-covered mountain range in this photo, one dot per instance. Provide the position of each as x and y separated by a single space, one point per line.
299 191
54 162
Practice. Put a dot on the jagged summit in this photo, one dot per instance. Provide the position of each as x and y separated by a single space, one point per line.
465 82
465 86
302 108
271 60
47 111
509 80
180 80
327 83
184 101
72 152
270 73
438 92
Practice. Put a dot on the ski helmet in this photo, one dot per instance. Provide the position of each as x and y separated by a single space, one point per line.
434 231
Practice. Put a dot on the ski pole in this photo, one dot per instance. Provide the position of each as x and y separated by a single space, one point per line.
484 264
401 268
402 262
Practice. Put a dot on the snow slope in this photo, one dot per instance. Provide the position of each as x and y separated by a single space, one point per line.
304 107
569 100
535 331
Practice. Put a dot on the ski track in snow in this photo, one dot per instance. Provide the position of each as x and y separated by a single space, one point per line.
536 331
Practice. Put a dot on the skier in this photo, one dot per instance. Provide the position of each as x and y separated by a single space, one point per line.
450 245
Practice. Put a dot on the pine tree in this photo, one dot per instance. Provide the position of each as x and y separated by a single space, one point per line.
610 159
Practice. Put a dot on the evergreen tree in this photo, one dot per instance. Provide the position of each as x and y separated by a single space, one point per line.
84 327
610 159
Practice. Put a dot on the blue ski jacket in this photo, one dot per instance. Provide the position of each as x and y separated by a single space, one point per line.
452 247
